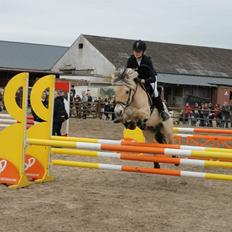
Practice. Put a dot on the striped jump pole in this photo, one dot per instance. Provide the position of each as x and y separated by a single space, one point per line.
141 157
12 121
9 121
126 168
5 116
4 125
201 130
175 146
87 140
8 116
214 137
134 143
124 148
204 140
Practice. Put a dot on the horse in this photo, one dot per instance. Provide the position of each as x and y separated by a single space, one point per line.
133 108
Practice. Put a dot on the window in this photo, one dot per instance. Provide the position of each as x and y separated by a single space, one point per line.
80 45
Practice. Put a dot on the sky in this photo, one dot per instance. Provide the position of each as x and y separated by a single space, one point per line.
60 22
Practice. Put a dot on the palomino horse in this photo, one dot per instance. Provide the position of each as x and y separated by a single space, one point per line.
133 109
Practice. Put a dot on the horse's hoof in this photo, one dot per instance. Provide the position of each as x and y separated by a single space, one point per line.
142 124
157 165
117 120
130 125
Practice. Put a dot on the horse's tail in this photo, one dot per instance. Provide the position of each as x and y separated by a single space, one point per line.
159 133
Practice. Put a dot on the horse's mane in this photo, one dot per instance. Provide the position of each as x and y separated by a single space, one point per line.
125 77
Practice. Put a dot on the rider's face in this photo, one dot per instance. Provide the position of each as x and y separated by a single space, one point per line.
138 54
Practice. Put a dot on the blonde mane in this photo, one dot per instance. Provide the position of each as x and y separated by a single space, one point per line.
125 77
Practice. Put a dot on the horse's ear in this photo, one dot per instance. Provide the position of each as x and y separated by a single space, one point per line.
131 74
117 76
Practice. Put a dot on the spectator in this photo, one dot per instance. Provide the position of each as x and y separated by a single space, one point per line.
210 114
84 96
72 93
195 114
45 103
113 104
206 113
90 99
84 100
187 113
217 115
201 116
230 113
59 114
225 115
106 108
77 105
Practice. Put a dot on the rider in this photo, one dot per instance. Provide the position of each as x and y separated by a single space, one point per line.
147 75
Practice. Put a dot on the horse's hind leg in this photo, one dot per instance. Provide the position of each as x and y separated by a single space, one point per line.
149 138
169 134
168 130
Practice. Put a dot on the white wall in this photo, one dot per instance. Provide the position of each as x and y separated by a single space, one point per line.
86 58
94 91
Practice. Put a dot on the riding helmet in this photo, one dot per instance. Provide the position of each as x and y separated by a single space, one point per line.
139 45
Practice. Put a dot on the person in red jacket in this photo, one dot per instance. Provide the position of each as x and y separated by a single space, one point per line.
187 112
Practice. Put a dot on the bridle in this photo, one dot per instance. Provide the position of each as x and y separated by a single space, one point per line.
132 91
131 94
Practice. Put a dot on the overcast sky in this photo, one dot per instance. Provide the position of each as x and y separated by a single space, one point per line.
60 22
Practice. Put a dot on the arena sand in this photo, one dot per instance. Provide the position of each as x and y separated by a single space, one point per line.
96 200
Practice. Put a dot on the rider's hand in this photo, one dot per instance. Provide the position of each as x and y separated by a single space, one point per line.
142 81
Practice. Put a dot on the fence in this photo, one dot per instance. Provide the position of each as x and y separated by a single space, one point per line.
90 109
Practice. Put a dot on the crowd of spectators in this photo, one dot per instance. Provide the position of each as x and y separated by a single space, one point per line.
204 114
105 103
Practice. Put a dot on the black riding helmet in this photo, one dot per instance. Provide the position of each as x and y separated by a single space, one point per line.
139 45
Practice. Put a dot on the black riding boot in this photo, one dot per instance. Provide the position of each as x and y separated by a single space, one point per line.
160 107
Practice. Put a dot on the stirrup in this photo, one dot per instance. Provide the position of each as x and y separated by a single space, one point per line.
164 115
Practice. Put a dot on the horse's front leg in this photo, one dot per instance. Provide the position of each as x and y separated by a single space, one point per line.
140 116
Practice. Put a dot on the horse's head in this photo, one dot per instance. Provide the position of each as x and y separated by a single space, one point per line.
126 86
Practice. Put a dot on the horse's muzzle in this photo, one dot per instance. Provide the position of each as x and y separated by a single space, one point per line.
118 111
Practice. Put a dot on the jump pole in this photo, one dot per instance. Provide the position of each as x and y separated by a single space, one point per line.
142 157
133 143
201 130
126 168
124 148
8 116
223 138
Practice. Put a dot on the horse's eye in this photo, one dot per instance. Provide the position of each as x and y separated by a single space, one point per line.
127 92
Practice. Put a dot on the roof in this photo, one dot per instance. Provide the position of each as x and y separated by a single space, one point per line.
28 56
193 80
87 79
169 58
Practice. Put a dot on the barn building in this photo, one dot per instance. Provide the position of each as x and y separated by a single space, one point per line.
185 73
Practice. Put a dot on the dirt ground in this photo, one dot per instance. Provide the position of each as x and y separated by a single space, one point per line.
97 200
